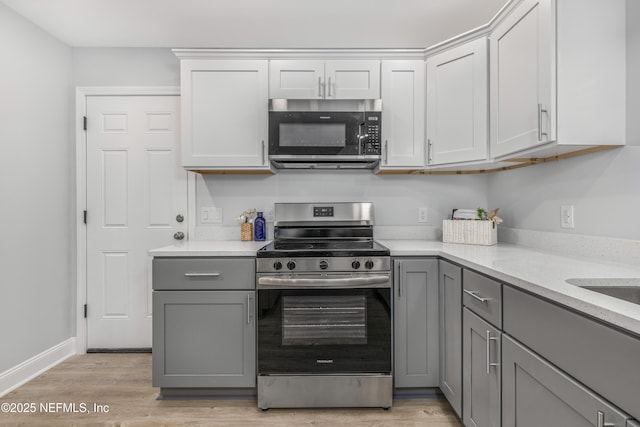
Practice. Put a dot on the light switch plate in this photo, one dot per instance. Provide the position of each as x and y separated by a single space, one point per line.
423 215
566 216
211 215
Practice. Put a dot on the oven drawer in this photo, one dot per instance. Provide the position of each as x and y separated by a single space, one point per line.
483 296
203 273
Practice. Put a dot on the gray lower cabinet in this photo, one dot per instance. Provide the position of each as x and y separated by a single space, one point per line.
204 339
535 393
204 324
416 328
481 372
450 294
604 359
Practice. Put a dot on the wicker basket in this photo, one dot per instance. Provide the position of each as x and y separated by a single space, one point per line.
469 232
246 231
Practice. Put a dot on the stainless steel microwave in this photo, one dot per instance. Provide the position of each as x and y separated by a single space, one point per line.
324 140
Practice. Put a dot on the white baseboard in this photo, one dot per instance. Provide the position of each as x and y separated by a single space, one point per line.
31 368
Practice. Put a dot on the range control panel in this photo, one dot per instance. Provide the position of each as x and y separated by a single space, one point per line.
323 211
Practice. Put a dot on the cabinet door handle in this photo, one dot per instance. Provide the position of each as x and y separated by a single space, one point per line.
329 88
263 152
476 296
489 364
540 111
602 422
399 280
248 309
215 274
386 151
319 87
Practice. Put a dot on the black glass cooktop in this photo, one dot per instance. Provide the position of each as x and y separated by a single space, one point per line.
323 248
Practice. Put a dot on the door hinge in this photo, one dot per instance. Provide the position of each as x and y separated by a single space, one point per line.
84 216
84 123
85 311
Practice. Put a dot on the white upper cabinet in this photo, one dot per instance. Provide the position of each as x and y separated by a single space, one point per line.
521 104
403 105
224 114
557 74
457 104
319 79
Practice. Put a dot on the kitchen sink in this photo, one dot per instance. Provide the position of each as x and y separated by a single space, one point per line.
624 289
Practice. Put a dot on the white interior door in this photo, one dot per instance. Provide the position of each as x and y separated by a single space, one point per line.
136 200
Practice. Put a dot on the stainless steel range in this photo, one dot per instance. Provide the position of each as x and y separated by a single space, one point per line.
324 309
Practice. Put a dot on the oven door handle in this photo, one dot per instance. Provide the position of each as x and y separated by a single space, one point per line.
326 282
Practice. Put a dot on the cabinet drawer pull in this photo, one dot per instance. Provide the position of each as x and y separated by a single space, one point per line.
201 274
476 296
489 364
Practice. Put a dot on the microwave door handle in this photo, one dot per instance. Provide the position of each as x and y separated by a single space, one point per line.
361 138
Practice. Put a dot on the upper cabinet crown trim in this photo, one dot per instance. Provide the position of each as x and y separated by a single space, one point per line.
300 53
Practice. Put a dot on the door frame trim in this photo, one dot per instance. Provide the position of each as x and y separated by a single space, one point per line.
82 93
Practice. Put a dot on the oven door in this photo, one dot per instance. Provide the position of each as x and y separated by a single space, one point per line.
315 133
304 328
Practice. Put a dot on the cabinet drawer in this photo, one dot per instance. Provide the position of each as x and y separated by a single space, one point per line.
203 273
483 296
602 358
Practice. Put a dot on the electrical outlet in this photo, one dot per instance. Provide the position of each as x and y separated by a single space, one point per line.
566 216
268 215
211 215
422 215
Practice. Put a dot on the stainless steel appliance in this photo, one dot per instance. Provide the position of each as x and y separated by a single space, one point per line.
324 309
313 139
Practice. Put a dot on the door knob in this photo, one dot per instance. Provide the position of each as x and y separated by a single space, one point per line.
179 235
179 218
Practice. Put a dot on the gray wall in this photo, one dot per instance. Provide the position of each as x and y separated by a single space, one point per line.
125 67
36 189
396 198
604 187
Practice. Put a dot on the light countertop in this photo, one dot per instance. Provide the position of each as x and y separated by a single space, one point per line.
222 248
541 273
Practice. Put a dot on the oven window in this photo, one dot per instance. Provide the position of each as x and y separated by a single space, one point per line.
326 320
329 331
313 134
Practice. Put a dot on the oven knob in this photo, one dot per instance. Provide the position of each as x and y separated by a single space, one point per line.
369 264
324 264
355 264
277 265
291 265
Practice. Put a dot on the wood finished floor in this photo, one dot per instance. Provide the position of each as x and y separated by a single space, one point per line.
123 382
